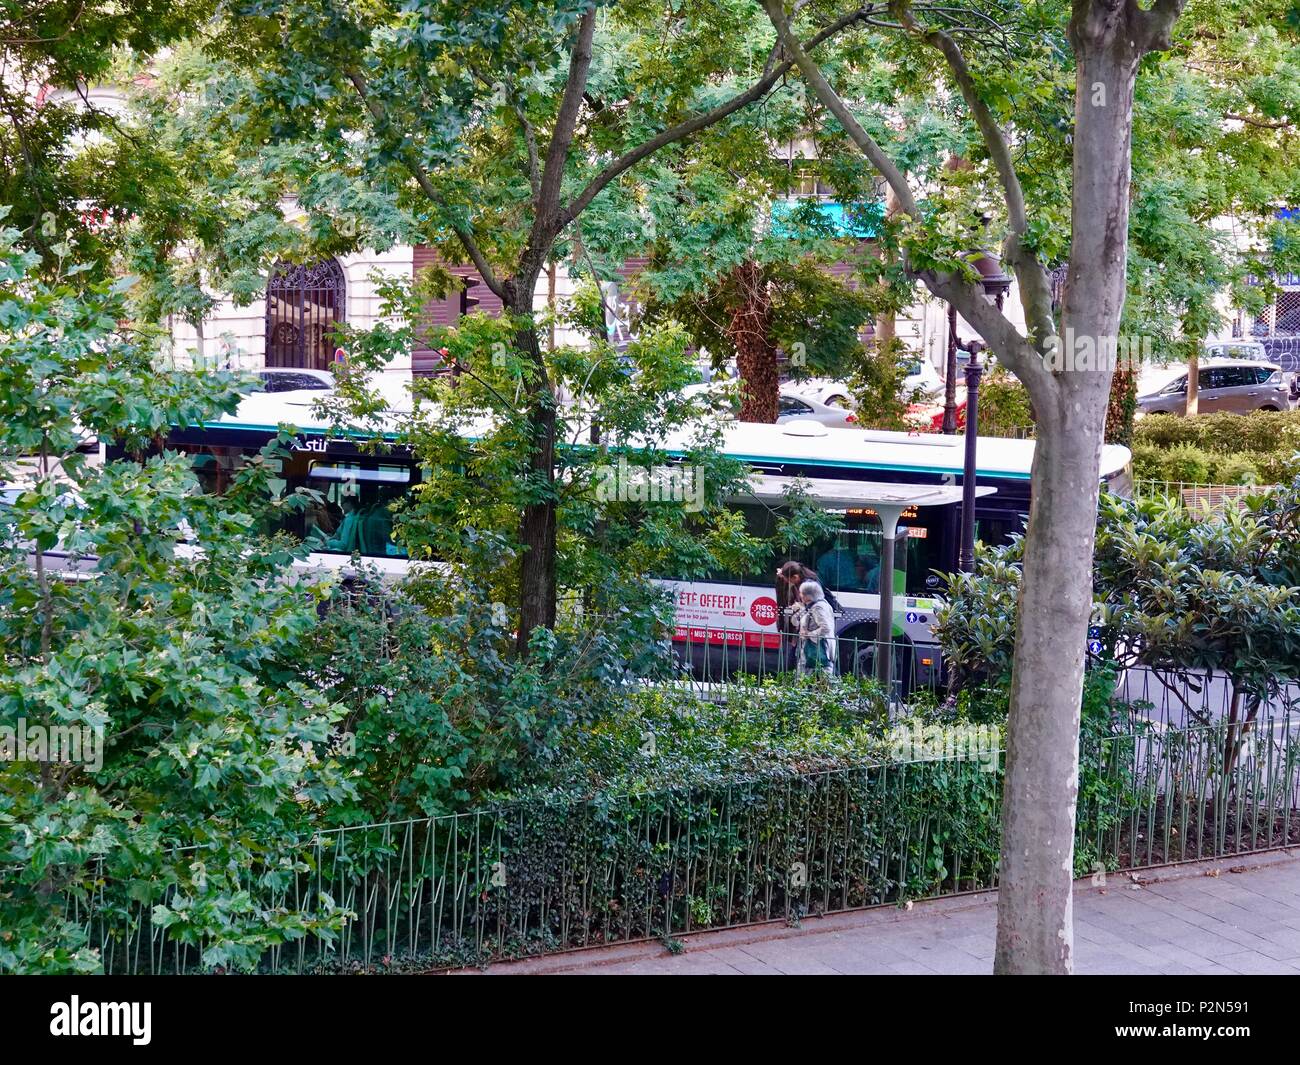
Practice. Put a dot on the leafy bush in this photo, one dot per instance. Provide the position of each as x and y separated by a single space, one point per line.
669 736
440 712
975 624
1004 406
200 757
1173 590
1262 448
1235 469
1185 462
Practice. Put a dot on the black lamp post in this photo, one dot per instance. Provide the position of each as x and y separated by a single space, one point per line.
996 285
950 377
974 371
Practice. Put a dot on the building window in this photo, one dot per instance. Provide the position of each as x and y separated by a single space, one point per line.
304 306
1282 319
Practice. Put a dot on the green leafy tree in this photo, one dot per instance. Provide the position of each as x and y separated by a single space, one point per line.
627 510
69 169
495 126
1048 94
162 640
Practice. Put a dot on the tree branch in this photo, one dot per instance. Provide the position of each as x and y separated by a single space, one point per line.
547 200
773 72
1007 341
1157 22
1035 288
1260 123
530 139
464 233
533 168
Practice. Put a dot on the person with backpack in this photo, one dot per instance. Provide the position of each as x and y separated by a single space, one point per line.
789 577
816 632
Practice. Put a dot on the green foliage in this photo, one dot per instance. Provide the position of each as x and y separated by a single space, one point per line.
975 623
62 170
1175 590
669 737
201 754
1004 408
439 711
879 387
707 228
1183 462
1213 594
471 433
1260 448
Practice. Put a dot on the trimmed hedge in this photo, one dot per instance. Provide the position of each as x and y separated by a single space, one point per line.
1260 448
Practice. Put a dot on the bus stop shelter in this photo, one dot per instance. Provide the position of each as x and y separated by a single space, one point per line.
889 501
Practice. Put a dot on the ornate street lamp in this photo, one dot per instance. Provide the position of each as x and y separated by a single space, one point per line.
996 285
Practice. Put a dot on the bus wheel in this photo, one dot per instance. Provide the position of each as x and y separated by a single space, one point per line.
858 651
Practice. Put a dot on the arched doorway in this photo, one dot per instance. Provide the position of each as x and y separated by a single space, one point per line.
304 304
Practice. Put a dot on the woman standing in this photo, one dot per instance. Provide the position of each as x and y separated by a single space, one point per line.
816 632
789 577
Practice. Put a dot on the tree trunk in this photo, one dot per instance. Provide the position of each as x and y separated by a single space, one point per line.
1119 413
749 329
537 526
1035 910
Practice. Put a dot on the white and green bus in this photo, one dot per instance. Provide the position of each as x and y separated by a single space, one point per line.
725 621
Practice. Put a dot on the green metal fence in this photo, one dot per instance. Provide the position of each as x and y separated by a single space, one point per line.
548 876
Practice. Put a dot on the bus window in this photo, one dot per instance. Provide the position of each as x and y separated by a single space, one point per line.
352 513
851 562
848 561
995 530
761 522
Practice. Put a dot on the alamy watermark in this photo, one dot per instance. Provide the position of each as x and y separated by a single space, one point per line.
65 744
620 482
916 742
1083 353
76 1018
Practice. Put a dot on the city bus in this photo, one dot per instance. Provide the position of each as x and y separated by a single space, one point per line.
728 621
724 621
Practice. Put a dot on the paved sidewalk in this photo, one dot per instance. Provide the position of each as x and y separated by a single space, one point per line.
1237 915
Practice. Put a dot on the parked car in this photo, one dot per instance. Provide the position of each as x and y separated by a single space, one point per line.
923 380
793 408
1253 351
824 402
1239 386
818 398
278 379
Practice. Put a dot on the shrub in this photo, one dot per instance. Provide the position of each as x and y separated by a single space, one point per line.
1263 447
439 711
1185 462
1004 406
1234 469
670 736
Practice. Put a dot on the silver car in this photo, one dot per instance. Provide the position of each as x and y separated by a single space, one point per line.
833 411
1238 386
1251 351
795 403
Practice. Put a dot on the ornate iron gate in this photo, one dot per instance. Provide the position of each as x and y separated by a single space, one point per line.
303 306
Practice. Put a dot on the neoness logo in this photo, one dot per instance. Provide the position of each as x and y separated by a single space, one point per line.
102 1018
